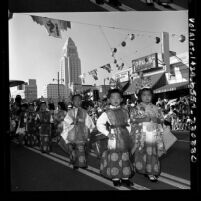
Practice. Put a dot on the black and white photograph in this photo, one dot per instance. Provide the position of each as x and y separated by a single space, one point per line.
101 98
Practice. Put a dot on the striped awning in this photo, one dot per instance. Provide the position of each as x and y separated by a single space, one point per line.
172 87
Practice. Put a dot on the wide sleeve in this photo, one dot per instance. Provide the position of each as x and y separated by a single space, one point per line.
101 124
89 123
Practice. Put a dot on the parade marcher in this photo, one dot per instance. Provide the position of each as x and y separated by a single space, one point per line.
59 118
32 135
146 119
21 130
51 108
44 119
76 127
113 123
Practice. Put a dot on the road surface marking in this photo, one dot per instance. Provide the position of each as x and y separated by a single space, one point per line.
169 176
94 176
183 141
173 183
105 6
176 7
162 8
172 5
136 186
126 8
165 178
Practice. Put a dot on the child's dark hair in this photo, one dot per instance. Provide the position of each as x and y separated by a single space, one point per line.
76 95
62 105
145 89
112 91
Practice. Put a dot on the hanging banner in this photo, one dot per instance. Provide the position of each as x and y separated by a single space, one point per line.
145 63
53 26
107 67
93 73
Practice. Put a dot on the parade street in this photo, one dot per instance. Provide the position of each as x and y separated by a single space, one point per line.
32 170
91 5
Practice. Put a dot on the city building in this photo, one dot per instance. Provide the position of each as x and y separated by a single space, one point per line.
50 92
164 83
27 92
31 90
70 67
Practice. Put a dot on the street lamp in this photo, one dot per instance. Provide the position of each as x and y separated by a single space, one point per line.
58 80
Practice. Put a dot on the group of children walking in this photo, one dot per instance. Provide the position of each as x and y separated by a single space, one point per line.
134 140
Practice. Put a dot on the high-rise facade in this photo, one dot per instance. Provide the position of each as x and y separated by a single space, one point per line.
50 92
70 67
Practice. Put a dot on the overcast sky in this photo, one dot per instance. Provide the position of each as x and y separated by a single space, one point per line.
35 55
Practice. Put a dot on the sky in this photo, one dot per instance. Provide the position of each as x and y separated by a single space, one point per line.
33 54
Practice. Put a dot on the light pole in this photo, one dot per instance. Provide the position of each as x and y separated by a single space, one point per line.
58 85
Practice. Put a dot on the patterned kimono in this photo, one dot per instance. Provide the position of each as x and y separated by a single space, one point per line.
21 130
76 128
147 139
44 118
58 122
115 162
32 135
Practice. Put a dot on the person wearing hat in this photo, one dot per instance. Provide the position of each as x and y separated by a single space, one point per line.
21 130
44 119
32 139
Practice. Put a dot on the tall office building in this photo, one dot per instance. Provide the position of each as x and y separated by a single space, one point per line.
70 67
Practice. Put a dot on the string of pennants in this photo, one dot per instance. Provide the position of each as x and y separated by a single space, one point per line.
55 26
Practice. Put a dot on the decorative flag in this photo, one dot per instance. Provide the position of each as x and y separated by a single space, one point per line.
107 67
94 74
53 26
112 81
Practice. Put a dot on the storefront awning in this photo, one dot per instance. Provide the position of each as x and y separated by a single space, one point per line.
13 83
154 80
172 87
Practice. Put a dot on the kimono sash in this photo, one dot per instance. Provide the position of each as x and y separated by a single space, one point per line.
79 131
118 119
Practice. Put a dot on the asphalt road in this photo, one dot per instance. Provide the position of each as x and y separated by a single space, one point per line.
34 171
90 6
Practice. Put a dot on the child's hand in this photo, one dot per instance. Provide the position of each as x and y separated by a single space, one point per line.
111 136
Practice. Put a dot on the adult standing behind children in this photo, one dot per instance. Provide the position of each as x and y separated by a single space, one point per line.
115 163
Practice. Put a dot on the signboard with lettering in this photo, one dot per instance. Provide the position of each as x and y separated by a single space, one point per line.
122 76
145 63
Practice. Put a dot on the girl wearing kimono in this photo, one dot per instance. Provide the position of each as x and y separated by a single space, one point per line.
32 139
76 127
44 119
147 130
59 119
114 123
21 130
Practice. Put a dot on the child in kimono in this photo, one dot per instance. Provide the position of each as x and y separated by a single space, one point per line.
21 130
31 127
113 123
76 127
44 119
146 121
